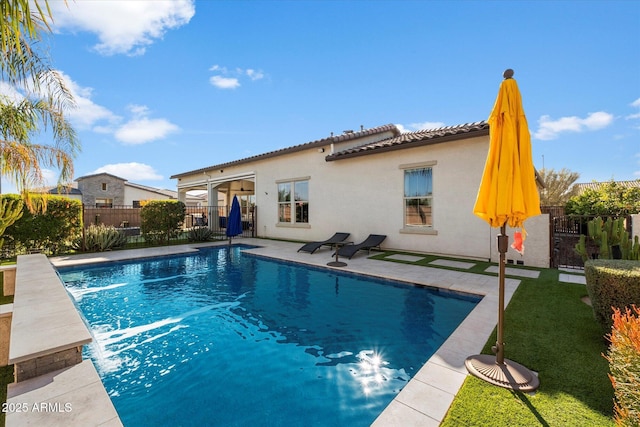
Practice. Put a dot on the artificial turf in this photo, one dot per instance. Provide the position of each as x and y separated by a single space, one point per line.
550 330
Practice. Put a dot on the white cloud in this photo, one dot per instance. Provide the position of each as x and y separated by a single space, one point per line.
87 114
254 75
122 27
131 171
10 92
50 177
412 127
84 115
224 82
634 116
550 129
225 79
141 129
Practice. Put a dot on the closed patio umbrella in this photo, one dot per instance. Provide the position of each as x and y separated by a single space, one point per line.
507 195
234 223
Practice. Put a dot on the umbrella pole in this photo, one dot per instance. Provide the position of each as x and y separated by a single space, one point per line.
496 369
503 246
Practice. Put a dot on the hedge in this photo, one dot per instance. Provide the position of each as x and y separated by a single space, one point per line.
612 283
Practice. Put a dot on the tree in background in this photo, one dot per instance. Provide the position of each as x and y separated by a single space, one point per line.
610 198
38 103
559 186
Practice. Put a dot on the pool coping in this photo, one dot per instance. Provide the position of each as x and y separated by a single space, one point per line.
425 400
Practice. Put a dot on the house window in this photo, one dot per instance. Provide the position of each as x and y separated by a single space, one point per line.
104 186
293 202
418 197
136 203
104 203
247 203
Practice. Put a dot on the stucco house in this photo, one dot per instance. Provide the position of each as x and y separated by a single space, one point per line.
416 188
104 190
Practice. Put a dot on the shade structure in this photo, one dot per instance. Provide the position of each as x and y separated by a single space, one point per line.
234 222
507 195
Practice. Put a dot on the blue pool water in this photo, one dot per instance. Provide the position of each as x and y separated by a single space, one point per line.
225 338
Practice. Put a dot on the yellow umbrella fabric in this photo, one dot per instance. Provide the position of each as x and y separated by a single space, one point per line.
508 192
507 195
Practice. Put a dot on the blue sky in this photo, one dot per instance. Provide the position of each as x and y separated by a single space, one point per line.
164 87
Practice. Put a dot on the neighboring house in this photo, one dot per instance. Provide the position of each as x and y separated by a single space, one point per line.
67 191
596 185
103 190
417 188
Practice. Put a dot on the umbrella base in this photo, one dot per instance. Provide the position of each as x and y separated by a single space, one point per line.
509 375
337 264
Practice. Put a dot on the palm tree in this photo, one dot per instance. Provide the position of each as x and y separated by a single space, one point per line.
41 104
559 186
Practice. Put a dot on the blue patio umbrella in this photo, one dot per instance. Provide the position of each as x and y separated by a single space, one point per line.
234 223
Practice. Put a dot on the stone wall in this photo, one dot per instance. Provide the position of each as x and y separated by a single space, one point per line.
48 363
5 332
91 189
9 279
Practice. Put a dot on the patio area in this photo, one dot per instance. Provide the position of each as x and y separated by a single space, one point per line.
426 398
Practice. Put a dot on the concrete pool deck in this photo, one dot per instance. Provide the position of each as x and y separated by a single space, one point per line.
425 400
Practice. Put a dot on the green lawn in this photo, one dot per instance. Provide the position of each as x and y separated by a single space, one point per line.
550 330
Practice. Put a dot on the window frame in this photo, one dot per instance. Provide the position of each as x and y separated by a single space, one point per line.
103 202
427 228
297 205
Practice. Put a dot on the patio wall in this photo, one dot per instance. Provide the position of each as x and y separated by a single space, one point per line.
537 249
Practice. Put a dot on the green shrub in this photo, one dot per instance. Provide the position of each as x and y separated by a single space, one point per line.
100 238
161 220
200 234
55 228
624 363
612 283
609 198
10 212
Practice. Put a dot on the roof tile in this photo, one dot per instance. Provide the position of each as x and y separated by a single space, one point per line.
422 137
347 136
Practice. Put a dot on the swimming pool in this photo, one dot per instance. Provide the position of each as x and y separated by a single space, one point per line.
227 338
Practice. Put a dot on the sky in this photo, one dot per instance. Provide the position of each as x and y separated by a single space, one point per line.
164 87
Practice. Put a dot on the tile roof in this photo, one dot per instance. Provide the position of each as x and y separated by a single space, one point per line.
98 174
65 190
162 191
347 136
414 139
595 185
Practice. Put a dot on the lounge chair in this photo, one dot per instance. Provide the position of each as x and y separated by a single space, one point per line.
373 241
311 247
